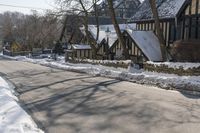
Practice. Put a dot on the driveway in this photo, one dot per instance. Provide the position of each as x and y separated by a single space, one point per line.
68 102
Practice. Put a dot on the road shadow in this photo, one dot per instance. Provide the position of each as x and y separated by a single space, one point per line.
83 103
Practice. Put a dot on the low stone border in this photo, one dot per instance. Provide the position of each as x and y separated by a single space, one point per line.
109 63
162 68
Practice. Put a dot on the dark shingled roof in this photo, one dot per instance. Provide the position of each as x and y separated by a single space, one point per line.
166 9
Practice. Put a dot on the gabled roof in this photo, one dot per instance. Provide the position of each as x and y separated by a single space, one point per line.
166 9
81 46
148 43
112 34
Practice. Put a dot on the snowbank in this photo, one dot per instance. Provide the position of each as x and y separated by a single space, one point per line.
13 119
189 84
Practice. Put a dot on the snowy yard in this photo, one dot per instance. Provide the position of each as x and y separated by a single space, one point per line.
13 119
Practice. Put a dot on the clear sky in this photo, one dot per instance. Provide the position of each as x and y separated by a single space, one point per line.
38 4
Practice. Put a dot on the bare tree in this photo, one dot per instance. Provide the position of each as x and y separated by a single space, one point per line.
117 29
82 8
30 30
158 29
96 13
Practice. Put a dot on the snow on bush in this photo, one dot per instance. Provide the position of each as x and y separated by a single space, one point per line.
13 119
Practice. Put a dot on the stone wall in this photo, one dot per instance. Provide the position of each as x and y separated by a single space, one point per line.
162 68
110 63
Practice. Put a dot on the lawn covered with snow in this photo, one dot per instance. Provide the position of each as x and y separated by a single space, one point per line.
13 119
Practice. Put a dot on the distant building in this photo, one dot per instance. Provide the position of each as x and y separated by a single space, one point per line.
123 8
81 51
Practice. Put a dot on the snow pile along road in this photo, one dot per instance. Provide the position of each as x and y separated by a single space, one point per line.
13 119
189 84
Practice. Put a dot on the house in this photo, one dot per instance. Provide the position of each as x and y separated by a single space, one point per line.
179 19
81 51
107 37
142 46
123 8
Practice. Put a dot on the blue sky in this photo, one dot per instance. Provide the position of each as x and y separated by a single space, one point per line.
44 4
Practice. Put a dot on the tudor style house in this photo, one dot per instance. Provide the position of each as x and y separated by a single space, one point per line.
142 46
179 19
80 51
123 8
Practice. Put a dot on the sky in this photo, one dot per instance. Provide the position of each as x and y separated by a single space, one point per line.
34 4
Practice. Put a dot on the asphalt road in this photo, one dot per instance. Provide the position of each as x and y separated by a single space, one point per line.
68 102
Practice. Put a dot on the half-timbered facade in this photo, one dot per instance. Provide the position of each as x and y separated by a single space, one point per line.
81 51
141 45
179 19
103 50
106 37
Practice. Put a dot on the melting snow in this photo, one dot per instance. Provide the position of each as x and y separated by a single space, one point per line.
13 119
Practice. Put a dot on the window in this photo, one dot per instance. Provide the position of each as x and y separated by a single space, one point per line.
193 28
193 9
187 11
172 32
199 7
198 33
135 50
186 34
86 53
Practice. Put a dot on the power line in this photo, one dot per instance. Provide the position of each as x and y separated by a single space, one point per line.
25 7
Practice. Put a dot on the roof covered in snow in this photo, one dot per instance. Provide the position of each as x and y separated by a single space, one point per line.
81 46
148 43
166 9
111 35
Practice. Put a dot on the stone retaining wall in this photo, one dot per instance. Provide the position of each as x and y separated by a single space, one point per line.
195 71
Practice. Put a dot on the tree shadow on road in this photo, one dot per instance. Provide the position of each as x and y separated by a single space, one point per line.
83 103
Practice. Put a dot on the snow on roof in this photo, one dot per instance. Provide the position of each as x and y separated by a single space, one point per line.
80 46
148 43
166 9
112 36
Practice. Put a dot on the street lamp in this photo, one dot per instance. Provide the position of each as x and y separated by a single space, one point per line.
107 35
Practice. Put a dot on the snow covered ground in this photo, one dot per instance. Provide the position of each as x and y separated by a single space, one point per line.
190 84
13 119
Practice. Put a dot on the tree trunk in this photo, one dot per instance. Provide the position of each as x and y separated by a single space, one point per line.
96 17
94 49
117 29
158 29
63 29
